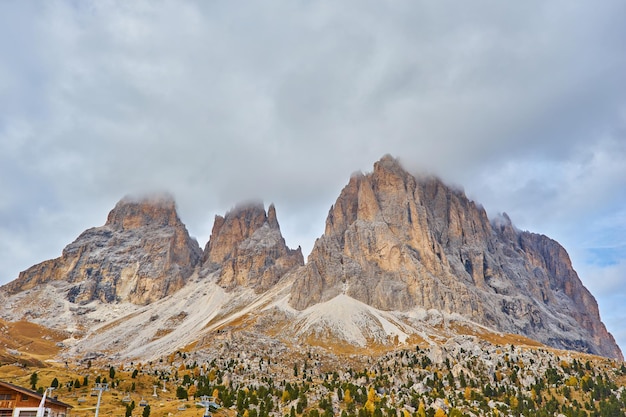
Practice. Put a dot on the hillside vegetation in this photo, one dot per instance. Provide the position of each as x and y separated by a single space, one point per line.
463 377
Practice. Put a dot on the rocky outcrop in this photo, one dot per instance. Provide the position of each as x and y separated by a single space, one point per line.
552 266
248 249
141 254
397 242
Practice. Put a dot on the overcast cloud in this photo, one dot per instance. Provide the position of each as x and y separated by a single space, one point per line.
521 103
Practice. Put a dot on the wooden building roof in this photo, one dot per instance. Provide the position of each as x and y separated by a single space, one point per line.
34 394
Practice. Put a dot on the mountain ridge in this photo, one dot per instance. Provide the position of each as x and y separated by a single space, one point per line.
407 253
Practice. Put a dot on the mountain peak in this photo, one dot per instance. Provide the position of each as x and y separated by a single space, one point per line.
271 217
248 249
141 254
397 242
134 212
388 162
236 226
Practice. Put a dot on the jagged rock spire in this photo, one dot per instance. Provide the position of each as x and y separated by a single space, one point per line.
248 249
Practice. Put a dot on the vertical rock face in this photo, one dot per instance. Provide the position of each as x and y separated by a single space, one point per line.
141 254
397 242
248 249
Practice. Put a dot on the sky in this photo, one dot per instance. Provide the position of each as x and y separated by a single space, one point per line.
523 104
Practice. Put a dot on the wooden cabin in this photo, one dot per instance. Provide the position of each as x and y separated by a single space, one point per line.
16 401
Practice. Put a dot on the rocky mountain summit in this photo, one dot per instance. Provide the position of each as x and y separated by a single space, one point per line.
403 260
248 249
142 254
397 242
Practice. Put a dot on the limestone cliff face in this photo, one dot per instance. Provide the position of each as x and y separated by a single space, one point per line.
550 259
141 254
248 249
397 242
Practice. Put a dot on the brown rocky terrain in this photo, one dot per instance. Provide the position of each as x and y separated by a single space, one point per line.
397 242
248 249
141 254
